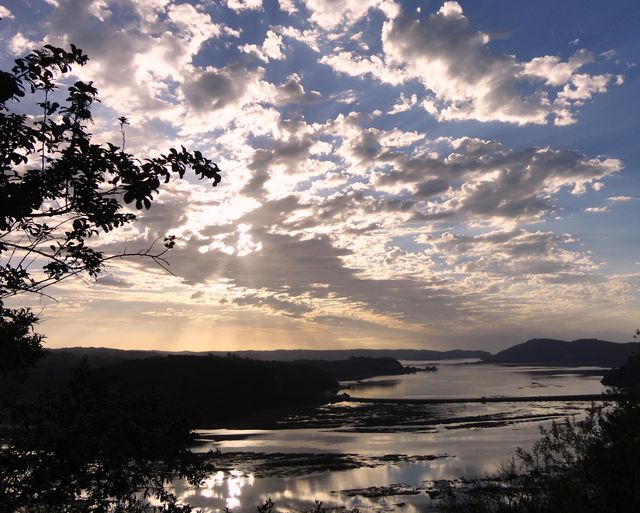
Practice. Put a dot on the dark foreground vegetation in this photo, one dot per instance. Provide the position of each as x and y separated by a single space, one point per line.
590 465
84 448
361 367
625 376
207 390
89 449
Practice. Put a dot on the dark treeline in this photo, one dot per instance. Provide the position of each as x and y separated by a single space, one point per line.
285 355
625 376
359 367
208 390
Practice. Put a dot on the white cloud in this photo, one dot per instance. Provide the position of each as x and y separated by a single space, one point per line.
582 87
136 69
6 13
332 217
271 48
621 199
356 65
468 80
20 45
555 72
329 15
292 91
309 37
596 210
288 6
404 104
244 5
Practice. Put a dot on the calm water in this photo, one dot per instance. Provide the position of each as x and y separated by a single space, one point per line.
475 438
464 379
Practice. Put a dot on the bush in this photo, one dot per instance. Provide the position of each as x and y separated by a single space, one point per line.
583 466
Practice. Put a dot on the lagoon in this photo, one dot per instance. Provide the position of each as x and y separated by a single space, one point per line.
384 442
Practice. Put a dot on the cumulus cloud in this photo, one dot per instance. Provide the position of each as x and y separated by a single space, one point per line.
331 217
20 45
490 181
244 5
310 37
514 253
135 68
215 88
292 91
6 13
271 48
109 280
553 71
470 81
326 15
404 104
467 79
353 64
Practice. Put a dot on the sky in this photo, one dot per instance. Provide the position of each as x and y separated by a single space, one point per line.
437 175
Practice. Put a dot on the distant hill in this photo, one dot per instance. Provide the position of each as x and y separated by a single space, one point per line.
55 369
359 367
583 352
342 354
207 389
284 355
214 388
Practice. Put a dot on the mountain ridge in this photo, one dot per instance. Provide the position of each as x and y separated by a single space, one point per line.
580 352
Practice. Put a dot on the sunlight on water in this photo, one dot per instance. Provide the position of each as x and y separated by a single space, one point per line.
467 441
454 380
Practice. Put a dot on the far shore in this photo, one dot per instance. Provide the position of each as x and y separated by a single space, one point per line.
500 399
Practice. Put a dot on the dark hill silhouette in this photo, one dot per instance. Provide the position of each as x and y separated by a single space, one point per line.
591 352
284 355
213 388
625 376
55 368
342 354
206 389
359 367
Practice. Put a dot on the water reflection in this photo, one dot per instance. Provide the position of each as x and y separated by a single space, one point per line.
476 438
455 380
472 453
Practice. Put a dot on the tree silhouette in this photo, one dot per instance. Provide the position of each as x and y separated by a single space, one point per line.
59 191
87 448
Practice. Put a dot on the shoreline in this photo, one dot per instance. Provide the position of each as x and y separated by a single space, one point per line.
457 400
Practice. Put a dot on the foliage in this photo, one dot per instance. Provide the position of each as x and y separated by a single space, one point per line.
20 345
626 376
92 450
581 466
87 449
59 190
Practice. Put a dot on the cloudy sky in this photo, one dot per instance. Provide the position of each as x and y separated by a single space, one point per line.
395 174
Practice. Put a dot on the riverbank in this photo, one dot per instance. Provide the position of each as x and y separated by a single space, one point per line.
502 399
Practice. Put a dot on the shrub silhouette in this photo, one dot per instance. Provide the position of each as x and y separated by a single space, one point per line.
577 466
86 449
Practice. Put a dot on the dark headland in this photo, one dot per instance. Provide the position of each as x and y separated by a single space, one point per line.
581 352
220 387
